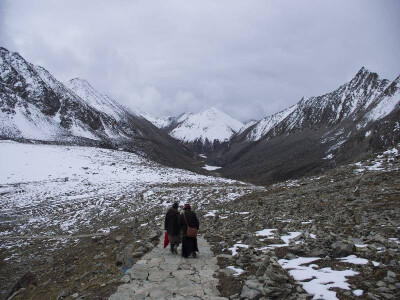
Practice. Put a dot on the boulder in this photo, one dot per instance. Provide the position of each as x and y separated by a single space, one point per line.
276 273
125 259
26 280
251 293
342 248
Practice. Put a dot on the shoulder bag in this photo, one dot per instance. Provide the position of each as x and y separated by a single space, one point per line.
190 231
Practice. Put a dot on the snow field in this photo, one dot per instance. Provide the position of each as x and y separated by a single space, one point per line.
50 190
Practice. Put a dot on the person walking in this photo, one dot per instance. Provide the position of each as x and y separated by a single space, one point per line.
172 226
188 221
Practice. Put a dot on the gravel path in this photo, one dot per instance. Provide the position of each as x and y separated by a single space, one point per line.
163 275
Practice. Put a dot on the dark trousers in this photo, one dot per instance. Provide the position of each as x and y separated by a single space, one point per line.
189 246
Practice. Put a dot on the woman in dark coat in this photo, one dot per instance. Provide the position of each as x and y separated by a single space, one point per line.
189 244
172 227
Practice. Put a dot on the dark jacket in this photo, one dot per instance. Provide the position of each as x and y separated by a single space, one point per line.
171 224
191 219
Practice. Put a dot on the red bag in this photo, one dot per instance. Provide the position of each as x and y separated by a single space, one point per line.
166 241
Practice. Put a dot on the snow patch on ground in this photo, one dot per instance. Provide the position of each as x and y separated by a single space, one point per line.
266 232
211 168
317 282
352 259
210 213
236 247
238 271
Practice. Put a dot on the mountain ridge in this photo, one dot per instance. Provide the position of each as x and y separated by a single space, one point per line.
317 133
34 105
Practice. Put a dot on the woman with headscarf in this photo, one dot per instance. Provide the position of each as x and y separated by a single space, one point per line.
172 227
188 219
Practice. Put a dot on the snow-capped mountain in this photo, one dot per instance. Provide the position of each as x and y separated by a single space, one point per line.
360 117
34 105
349 101
211 124
201 132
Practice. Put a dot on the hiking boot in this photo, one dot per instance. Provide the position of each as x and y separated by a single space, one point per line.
194 254
174 249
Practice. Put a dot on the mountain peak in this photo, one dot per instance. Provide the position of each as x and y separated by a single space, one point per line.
4 50
210 124
363 72
212 108
79 81
213 112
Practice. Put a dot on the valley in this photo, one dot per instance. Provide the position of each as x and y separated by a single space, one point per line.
302 204
89 232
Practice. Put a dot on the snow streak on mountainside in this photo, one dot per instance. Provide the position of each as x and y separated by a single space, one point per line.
247 125
96 100
385 103
264 125
166 122
211 124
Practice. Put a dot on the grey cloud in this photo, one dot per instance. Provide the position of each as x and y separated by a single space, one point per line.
249 58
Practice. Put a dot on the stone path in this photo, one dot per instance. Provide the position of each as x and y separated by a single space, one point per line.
163 275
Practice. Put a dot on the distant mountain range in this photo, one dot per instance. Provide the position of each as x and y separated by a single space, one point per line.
34 105
358 118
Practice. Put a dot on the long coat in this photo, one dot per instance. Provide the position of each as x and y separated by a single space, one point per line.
191 219
171 223
189 244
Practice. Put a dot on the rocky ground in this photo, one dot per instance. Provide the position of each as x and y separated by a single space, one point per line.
91 266
330 236
337 234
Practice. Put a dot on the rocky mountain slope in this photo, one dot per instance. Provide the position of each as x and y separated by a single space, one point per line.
336 234
34 105
317 133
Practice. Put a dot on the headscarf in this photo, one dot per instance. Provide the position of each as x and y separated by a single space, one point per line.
187 207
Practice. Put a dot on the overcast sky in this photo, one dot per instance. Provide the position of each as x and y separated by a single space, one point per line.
248 58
